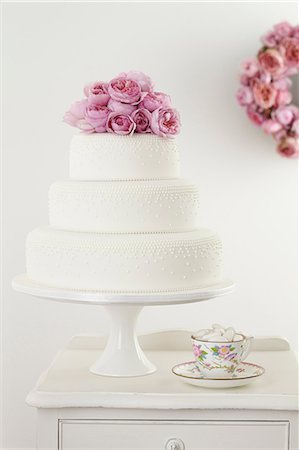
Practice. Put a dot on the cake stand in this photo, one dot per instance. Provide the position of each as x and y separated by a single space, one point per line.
122 356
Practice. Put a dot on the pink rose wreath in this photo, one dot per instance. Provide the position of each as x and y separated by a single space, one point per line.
265 87
125 105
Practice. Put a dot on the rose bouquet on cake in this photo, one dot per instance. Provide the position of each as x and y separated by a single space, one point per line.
265 90
127 104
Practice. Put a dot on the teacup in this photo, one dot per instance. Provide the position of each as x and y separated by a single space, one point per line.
220 359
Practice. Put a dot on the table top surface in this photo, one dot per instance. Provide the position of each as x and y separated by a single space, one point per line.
69 383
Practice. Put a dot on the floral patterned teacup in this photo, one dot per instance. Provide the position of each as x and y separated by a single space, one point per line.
220 359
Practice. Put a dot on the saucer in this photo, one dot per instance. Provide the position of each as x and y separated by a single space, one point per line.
244 374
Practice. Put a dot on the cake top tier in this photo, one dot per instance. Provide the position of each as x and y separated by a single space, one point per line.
125 105
104 156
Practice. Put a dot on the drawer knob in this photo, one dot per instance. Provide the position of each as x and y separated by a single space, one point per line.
174 444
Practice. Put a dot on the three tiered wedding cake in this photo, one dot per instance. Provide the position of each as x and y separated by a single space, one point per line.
124 222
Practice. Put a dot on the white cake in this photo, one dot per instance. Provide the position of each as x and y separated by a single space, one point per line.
124 206
124 221
105 156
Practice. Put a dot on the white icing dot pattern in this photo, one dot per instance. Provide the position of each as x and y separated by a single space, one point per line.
135 223
133 263
103 156
124 207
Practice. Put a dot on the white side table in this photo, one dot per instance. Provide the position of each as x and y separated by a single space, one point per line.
79 410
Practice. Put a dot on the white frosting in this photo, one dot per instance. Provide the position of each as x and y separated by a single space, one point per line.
124 222
126 263
124 206
105 156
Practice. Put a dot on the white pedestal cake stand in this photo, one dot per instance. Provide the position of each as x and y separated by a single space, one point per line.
122 356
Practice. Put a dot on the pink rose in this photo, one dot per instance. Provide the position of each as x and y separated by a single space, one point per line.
245 80
143 80
97 93
283 29
271 61
270 39
165 122
250 67
265 77
283 98
264 94
120 124
290 49
284 115
125 90
282 84
271 126
142 118
155 100
121 108
75 113
244 95
290 71
96 116
289 147
254 115
295 111
295 127
76 116
295 33
281 134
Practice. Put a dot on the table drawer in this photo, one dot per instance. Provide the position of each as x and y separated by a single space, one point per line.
186 435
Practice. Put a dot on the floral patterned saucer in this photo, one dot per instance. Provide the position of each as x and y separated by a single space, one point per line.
244 374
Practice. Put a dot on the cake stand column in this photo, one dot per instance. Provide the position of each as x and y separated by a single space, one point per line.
123 356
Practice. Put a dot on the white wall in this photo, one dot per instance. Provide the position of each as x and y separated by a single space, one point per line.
248 192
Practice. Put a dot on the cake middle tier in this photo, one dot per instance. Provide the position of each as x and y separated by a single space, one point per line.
124 206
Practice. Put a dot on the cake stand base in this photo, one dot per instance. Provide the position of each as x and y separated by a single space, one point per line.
122 356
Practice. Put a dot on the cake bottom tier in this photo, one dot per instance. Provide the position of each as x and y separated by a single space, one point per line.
157 262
